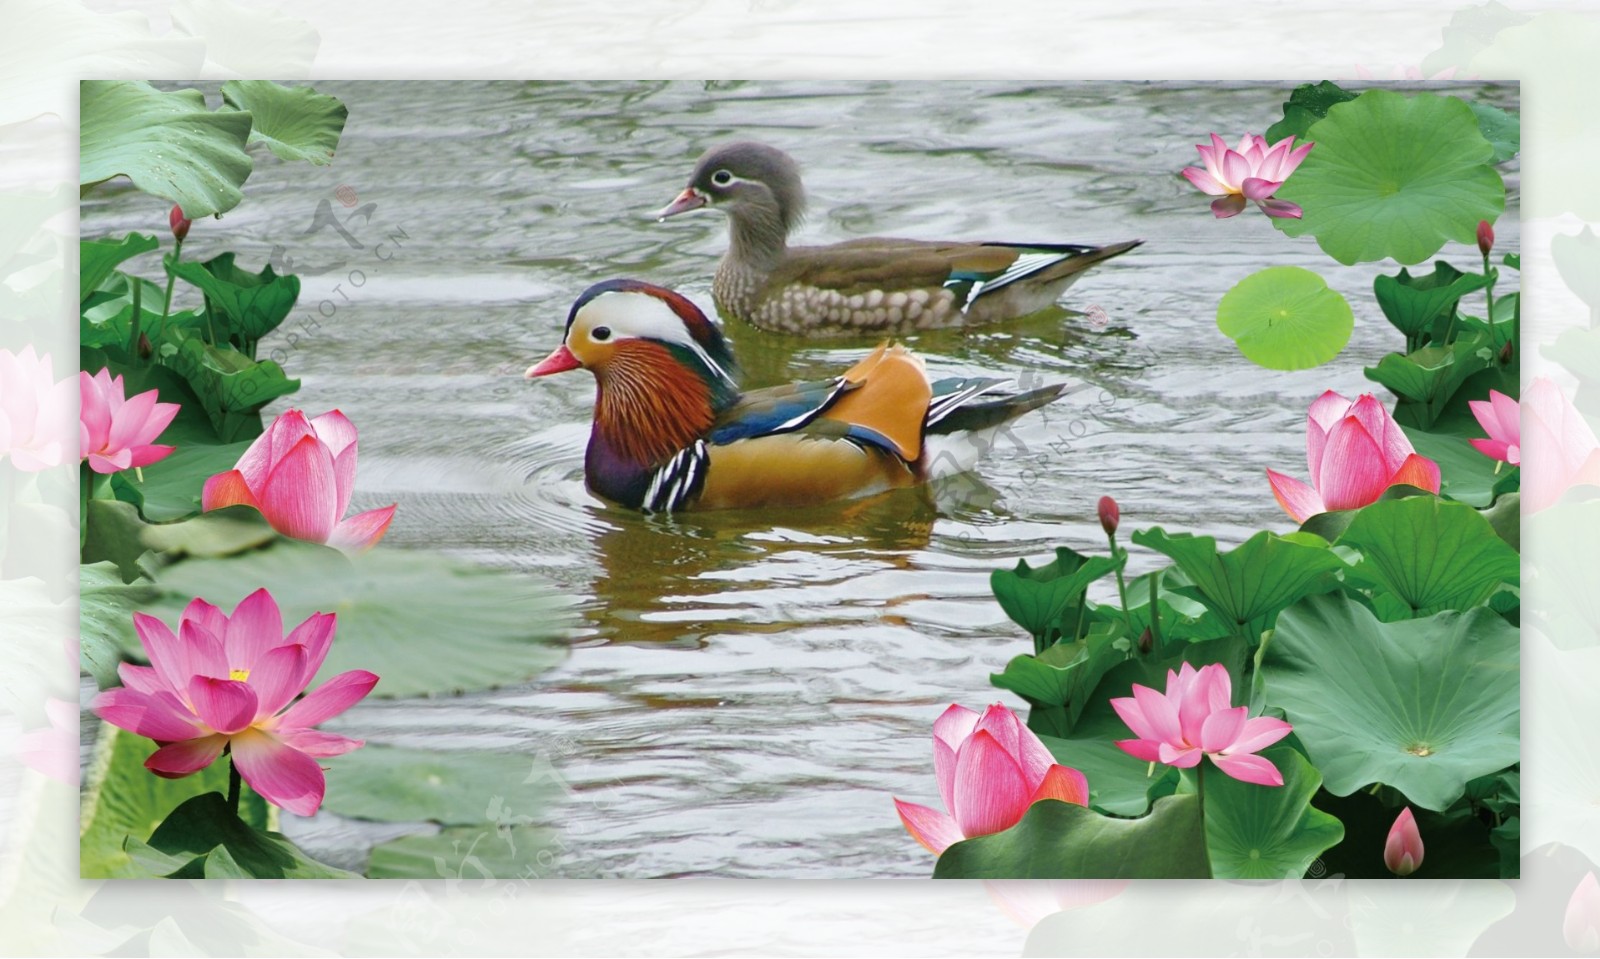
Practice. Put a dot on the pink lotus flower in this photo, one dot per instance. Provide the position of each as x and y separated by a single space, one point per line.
1502 420
1402 851
1558 449
224 681
1581 925
180 224
1252 171
990 770
299 474
1194 718
53 749
115 434
35 410
1355 451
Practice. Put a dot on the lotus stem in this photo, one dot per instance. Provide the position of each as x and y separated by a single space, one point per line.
1200 791
1155 611
138 319
85 490
1488 294
166 302
233 785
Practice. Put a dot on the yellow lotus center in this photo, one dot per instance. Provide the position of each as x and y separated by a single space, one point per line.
1420 749
239 675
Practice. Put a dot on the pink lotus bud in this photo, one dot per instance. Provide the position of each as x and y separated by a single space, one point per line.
146 349
1506 353
1485 237
1402 852
1109 515
180 224
1145 641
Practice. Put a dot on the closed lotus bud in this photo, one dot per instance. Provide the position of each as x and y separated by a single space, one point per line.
1109 515
180 225
1506 352
1402 853
1485 237
1145 640
145 349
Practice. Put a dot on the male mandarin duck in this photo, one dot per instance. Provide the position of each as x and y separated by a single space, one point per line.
672 430
873 285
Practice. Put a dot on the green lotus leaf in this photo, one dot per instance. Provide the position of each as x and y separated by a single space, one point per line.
1057 840
105 619
1414 303
123 800
1246 586
246 306
1394 176
1429 553
1063 675
1038 599
470 853
1465 475
1267 832
1285 318
458 787
1430 377
1307 104
398 609
1423 705
97 258
168 144
171 488
202 838
1503 130
296 123
231 386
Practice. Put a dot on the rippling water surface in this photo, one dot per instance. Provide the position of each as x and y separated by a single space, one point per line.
746 692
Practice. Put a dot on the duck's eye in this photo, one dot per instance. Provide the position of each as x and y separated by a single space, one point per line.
722 178
601 333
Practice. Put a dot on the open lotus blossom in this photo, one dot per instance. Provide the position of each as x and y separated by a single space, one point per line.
1252 171
35 411
224 681
1501 418
1402 851
1355 451
990 768
1195 718
1558 448
1581 925
299 474
114 433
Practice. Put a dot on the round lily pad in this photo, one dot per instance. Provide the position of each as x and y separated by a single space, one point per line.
1268 832
1285 318
1394 175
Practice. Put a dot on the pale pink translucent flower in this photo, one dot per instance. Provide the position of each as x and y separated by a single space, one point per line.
1402 851
1581 925
35 411
117 433
225 681
1251 171
1195 718
53 749
1026 901
1502 420
990 769
1558 449
1355 451
300 474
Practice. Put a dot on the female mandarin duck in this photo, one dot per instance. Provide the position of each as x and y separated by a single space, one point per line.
875 285
672 430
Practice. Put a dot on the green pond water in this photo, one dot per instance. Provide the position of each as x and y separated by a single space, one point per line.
746 692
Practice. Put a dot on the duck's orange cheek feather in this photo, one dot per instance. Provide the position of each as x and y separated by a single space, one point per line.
791 469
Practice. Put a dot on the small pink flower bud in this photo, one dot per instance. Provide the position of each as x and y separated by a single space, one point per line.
145 348
1402 853
180 224
1145 641
1506 352
1109 515
1485 237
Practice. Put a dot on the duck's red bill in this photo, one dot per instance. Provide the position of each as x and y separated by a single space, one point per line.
689 199
558 362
